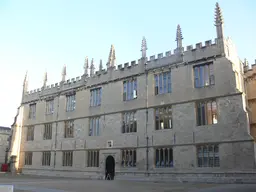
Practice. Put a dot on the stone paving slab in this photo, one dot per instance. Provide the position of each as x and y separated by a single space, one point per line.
24 183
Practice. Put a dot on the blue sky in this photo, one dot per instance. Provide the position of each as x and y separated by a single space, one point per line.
40 35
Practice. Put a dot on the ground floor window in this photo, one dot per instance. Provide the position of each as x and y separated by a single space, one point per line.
28 158
67 158
128 157
46 158
164 157
93 158
208 156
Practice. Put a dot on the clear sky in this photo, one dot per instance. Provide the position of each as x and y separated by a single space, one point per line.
40 35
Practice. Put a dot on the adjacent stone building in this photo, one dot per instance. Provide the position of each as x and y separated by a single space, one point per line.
4 144
250 82
179 115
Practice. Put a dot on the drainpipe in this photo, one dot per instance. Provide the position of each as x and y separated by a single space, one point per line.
57 117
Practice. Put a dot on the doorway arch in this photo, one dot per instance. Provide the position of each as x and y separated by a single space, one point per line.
110 168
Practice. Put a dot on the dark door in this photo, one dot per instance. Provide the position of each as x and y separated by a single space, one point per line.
110 168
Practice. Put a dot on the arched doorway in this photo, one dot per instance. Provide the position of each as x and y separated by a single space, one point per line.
110 168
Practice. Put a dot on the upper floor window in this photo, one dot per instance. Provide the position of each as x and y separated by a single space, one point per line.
163 83
32 111
71 102
208 156
204 75
93 158
129 122
206 113
48 131
49 109
94 126
130 89
164 157
95 99
128 158
69 129
163 118
30 133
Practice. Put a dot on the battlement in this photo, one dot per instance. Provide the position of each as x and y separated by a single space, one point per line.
249 71
191 53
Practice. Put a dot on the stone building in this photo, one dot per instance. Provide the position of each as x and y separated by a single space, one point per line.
4 138
179 115
250 82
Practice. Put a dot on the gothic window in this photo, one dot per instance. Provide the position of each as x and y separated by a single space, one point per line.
32 111
47 131
28 158
46 158
204 75
30 133
69 129
49 109
71 102
129 89
206 112
93 158
163 83
94 126
163 118
128 157
67 158
129 124
95 98
163 157
208 156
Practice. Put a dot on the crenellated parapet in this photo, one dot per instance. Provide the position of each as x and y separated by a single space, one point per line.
180 56
249 72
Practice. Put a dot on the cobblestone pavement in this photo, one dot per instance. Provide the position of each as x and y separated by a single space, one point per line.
54 184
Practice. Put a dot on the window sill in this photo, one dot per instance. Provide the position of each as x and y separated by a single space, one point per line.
208 86
207 126
162 130
160 94
130 100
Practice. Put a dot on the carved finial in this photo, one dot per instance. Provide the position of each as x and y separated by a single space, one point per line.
144 47
100 66
25 82
179 37
112 57
64 73
45 79
92 68
245 62
86 66
218 15
219 22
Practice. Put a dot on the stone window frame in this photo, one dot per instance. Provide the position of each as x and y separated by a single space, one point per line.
163 117
94 126
128 157
46 158
129 122
93 158
69 128
28 158
204 155
163 153
30 133
95 96
130 89
67 158
203 75
163 82
32 111
70 102
47 131
206 117
49 107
